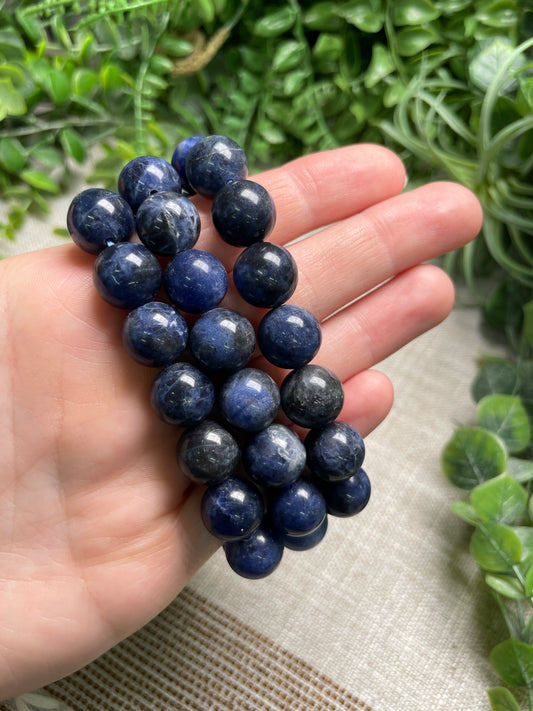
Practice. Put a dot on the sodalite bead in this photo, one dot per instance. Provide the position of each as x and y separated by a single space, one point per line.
154 334
249 399
232 509
289 336
348 496
275 456
168 223
182 395
297 509
179 159
195 281
222 340
98 218
243 213
212 162
207 453
144 176
335 452
265 275
257 555
127 275
308 540
312 396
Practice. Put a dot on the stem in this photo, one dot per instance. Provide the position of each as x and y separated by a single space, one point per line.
57 125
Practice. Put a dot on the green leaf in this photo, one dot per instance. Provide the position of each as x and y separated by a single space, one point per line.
322 16
473 455
111 77
366 15
275 23
506 416
495 547
506 585
465 511
58 86
501 699
520 469
41 181
500 14
513 661
84 81
528 582
12 155
206 10
288 55
414 12
500 499
496 376
489 58
328 47
72 144
381 65
11 101
413 40
48 155
175 46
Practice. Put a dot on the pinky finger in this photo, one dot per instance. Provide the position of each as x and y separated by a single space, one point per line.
368 398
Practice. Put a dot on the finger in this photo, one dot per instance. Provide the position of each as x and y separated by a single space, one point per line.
368 399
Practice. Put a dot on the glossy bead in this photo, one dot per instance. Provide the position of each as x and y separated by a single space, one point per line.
256 556
127 275
308 540
168 223
212 162
348 496
195 281
312 396
265 275
298 508
232 509
182 395
207 453
249 399
334 452
275 456
289 336
222 340
145 176
98 218
243 213
179 159
154 334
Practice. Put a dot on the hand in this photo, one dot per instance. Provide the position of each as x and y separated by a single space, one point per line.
99 530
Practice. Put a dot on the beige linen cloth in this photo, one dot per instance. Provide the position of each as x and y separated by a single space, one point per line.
388 613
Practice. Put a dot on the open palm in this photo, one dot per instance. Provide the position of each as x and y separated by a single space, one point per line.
99 529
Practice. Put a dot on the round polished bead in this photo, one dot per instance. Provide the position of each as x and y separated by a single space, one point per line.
145 176
232 509
182 395
289 336
308 540
195 281
243 213
98 218
212 162
265 274
222 340
179 159
298 508
168 223
334 452
257 555
127 275
348 496
207 453
275 456
154 334
249 399
312 396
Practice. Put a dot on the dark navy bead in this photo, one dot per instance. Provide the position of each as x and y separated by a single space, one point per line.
312 396
349 496
335 452
275 456
249 399
297 509
212 162
265 275
289 336
195 281
127 275
154 334
256 556
308 540
168 223
232 509
182 395
207 453
243 213
179 159
145 176
98 218
222 340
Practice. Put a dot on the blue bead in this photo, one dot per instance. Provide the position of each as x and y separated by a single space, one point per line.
249 399
145 176
312 396
222 340
212 162
179 159
289 336
195 281
98 218
182 395
256 556
348 496
265 275
127 275
232 509
275 456
207 453
308 540
243 213
168 223
334 452
297 509
154 334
